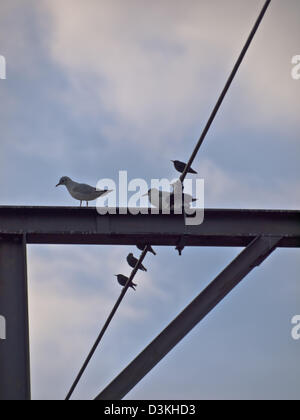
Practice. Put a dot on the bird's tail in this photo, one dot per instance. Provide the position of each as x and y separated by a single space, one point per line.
133 285
152 250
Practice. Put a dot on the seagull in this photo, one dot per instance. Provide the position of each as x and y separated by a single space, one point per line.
81 192
180 166
123 280
141 246
167 200
157 198
179 201
132 261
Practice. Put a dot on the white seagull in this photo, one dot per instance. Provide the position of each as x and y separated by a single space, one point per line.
157 198
169 201
82 192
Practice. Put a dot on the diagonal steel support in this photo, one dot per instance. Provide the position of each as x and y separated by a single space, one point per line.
14 340
255 253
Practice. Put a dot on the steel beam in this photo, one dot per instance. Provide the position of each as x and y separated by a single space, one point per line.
249 258
74 225
14 345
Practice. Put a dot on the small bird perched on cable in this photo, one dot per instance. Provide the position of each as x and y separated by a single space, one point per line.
132 261
82 192
122 280
180 166
141 247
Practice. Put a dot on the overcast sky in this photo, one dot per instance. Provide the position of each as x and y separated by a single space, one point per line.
98 86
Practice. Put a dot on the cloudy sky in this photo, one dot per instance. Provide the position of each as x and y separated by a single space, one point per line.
98 86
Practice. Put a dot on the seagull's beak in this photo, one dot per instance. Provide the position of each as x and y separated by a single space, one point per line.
58 185
144 195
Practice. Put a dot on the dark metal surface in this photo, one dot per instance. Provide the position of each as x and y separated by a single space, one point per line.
74 225
250 257
14 351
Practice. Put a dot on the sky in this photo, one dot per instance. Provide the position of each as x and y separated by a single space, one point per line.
96 87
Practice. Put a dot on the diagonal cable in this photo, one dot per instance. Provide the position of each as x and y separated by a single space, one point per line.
225 90
105 326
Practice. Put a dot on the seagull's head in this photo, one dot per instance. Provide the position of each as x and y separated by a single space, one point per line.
63 181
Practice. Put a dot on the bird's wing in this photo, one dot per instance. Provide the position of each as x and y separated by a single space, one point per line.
83 189
187 197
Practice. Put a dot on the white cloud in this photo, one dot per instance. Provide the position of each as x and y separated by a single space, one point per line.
223 188
158 67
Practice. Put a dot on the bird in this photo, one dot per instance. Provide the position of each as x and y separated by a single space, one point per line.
169 200
180 166
179 201
123 280
132 261
141 246
81 192
157 198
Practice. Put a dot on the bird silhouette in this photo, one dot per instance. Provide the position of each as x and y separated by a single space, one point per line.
180 166
122 280
132 261
141 246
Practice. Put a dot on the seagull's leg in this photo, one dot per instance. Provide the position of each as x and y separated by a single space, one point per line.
80 203
87 203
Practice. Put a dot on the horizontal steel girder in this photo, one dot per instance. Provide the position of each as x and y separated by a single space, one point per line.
74 225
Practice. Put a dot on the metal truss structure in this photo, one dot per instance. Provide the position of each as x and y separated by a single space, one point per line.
260 232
